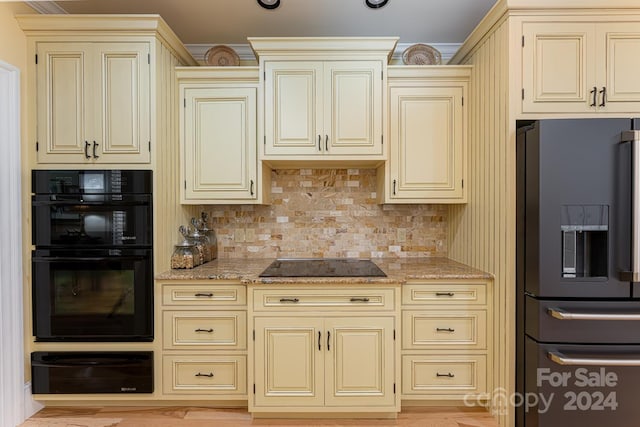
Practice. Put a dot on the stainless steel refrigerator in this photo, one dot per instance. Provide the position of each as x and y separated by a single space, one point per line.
577 284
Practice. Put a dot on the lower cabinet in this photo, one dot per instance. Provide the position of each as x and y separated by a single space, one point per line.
339 361
319 349
446 340
204 340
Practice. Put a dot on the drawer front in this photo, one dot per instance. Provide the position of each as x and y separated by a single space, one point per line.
434 329
296 299
204 375
448 374
222 330
444 293
203 294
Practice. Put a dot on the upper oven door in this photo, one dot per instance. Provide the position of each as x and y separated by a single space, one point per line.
92 220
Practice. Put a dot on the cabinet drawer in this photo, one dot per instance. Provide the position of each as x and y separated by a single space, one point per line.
318 298
431 329
223 330
444 293
204 374
448 374
203 294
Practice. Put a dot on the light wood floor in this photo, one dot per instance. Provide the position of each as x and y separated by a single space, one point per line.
201 417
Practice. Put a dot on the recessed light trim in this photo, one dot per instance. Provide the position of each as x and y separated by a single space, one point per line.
376 4
269 4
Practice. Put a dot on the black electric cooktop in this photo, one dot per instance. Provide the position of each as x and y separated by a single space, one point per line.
323 267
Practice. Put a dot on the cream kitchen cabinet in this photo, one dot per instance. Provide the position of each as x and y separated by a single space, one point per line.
93 101
446 339
203 343
324 362
218 145
428 136
331 108
324 349
580 67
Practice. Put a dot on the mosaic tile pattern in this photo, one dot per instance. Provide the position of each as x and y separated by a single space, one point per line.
328 213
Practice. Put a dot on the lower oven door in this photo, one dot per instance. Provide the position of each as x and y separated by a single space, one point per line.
85 372
92 295
580 385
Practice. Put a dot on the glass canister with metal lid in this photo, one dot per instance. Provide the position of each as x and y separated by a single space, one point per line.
211 235
201 241
184 253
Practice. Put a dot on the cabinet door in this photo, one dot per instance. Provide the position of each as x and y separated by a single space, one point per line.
427 144
219 144
359 363
289 356
293 108
558 66
64 95
619 61
122 117
353 108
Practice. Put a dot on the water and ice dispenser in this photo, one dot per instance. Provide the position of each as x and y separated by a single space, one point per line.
585 230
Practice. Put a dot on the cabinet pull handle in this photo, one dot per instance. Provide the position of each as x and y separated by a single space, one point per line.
328 340
448 375
445 330
210 375
394 187
294 300
210 331
594 92
326 143
209 295
444 294
95 145
319 343
354 299
86 149
604 96
251 188
319 142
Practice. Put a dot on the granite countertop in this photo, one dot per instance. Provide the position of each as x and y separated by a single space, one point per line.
398 270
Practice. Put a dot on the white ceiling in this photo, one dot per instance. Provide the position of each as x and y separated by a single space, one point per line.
232 21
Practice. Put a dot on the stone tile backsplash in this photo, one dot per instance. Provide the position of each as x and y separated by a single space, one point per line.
328 213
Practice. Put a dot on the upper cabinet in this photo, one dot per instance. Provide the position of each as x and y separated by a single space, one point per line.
218 124
428 136
324 99
580 67
99 87
93 102
323 108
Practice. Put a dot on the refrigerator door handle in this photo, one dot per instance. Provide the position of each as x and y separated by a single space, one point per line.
565 360
633 136
558 313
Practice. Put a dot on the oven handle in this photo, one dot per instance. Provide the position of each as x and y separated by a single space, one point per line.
107 363
106 203
562 359
633 136
558 313
81 258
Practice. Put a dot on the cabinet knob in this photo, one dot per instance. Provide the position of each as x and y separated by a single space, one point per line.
319 142
444 294
86 150
603 92
251 188
209 331
394 187
448 375
326 143
289 300
445 330
209 295
359 299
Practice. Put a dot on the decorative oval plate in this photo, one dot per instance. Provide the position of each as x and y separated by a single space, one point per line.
221 55
421 54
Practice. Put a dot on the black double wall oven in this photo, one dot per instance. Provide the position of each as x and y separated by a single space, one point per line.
92 273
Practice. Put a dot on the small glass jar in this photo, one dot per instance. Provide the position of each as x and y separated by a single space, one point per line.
184 255
211 241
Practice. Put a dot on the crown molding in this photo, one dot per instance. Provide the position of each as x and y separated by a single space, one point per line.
46 7
246 54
